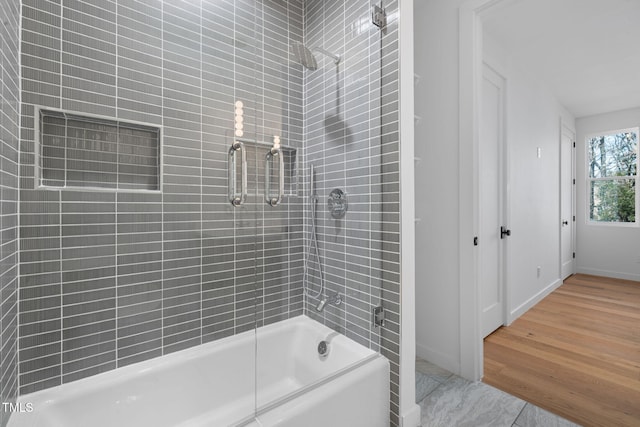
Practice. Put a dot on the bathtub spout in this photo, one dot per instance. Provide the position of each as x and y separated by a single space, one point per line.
335 299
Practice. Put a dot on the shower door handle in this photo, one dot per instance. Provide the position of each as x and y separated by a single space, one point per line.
272 154
235 198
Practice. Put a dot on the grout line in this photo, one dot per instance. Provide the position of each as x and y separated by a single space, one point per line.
18 277
519 413
201 174
60 229
162 59
116 301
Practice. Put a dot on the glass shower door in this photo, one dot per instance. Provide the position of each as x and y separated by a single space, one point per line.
339 114
260 163
231 206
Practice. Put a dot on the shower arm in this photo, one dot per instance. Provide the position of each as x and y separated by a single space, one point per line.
336 58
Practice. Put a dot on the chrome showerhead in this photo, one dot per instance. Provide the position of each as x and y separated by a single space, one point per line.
305 57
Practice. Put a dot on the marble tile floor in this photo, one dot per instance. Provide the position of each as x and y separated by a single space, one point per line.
447 400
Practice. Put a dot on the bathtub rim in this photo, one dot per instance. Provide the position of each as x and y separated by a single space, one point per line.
309 387
165 360
119 375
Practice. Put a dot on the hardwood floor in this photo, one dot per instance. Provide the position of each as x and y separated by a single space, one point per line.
576 353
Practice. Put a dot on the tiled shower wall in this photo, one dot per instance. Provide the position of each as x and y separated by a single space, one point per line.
112 278
9 143
352 139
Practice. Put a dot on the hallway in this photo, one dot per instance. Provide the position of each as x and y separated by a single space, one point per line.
576 353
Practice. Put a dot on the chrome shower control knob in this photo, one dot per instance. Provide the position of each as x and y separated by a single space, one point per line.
337 203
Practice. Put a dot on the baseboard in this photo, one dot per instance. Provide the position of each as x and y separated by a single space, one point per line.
523 308
411 418
445 361
607 273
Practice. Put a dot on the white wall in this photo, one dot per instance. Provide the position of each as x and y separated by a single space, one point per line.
604 250
533 121
408 409
436 144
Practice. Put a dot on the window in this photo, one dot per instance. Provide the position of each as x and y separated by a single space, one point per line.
612 169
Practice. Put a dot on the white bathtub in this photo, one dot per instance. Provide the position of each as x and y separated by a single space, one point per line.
215 385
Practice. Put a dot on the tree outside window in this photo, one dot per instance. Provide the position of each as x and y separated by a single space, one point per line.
612 162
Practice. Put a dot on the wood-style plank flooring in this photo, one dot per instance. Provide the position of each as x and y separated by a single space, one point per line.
576 353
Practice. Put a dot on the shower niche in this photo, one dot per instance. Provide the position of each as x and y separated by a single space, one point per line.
77 151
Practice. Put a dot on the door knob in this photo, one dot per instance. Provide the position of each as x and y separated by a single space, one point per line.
565 222
504 232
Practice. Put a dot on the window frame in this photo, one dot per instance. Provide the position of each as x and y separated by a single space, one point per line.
589 179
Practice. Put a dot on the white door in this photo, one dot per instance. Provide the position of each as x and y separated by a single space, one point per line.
567 218
491 240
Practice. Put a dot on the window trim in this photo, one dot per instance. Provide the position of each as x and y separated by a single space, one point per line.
589 180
